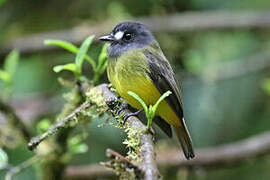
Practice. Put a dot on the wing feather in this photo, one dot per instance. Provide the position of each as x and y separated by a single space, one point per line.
163 77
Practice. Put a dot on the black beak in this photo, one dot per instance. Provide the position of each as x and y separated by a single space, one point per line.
109 38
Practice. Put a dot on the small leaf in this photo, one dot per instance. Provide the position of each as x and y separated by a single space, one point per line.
63 44
140 100
166 94
102 56
11 62
5 77
82 52
3 158
103 68
71 48
69 67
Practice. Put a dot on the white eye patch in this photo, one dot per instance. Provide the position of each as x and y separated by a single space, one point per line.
119 35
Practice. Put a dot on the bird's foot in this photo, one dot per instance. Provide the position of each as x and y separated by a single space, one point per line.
123 106
127 115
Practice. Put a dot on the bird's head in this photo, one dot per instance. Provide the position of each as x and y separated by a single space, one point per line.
127 36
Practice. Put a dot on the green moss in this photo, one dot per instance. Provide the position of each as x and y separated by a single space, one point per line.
96 98
132 142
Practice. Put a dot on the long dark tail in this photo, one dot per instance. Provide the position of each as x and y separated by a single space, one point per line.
185 140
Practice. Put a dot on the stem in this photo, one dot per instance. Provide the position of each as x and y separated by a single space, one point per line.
96 77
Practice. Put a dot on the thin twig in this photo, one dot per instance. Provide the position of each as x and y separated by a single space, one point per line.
188 21
34 142
124 166
92 171
115 155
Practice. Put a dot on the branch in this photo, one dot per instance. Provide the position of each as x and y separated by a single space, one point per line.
235 153
147 154
61 124
92 171
115 155
189 21
122 166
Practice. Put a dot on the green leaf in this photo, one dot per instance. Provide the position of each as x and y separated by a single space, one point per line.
102 56
103 68
151 110
11 62
3 158
82 52
166 94
5 77
71 48
63 44
69 67
140 100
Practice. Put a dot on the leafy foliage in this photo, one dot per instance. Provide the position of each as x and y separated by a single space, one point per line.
10 66
81 55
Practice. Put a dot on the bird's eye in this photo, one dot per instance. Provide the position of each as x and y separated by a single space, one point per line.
127 36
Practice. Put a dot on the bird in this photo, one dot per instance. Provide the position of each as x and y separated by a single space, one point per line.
136 63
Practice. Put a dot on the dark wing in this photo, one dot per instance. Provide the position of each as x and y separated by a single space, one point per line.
163 125
162 76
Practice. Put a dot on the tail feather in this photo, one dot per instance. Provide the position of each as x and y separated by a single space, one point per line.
185 140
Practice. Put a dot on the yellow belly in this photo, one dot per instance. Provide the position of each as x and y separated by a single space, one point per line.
144 87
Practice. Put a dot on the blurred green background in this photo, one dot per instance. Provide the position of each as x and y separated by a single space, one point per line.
224 95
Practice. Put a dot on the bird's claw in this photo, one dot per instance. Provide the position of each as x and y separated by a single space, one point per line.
127 115
123 106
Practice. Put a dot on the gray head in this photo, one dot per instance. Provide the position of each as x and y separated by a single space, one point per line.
126 36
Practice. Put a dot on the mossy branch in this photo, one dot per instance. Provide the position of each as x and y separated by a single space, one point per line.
146 153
